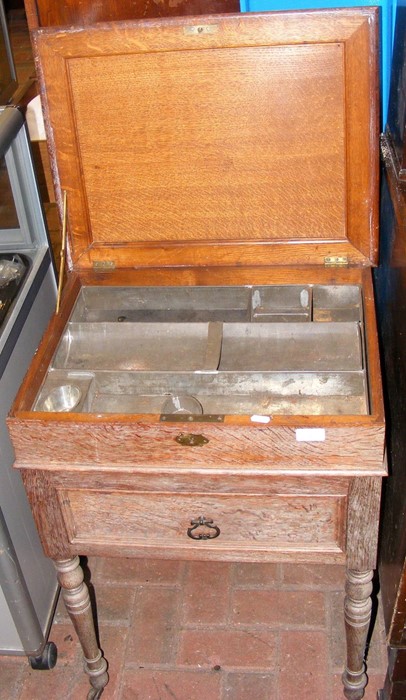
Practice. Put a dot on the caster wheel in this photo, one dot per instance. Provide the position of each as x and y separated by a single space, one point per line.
94 694
46 660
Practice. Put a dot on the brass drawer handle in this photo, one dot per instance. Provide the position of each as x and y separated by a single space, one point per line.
209 534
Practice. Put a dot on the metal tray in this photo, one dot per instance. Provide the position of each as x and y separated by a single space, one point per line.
211 351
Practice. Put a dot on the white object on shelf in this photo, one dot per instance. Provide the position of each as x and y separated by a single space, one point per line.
35 120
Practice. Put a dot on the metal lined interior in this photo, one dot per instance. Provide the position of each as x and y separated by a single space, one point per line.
287 349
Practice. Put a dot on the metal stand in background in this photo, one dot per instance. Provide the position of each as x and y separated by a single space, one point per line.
41 655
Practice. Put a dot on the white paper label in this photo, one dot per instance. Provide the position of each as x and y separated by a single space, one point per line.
260 419
310 434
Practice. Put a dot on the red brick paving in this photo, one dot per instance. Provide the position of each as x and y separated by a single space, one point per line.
240 686
132 571
171 685
303 665
154 636
212 631
278 607
230 648
206 593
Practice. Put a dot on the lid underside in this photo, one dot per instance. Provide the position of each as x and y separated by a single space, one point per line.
240 139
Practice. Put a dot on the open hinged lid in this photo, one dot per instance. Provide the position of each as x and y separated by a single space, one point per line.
218 140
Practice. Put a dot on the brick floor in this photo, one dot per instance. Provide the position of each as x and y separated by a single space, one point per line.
212 631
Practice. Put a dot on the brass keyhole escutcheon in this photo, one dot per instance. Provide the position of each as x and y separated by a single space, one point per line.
203 529
191 440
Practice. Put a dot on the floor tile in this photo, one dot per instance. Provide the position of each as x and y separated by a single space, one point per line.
66 641
314 575
133 571
171 685
303 666
242 686
11 675
278 642
206 593
114 603
155 626
278 607
228 648
256 574
59 683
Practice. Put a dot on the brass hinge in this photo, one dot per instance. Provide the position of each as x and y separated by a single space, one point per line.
103 265
336 261
195 418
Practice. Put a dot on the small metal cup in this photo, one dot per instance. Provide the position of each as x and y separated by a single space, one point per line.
62 399
182 404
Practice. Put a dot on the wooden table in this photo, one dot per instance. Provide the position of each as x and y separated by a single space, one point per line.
232 150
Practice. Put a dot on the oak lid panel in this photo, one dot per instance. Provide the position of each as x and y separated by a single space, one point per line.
233 146
47 13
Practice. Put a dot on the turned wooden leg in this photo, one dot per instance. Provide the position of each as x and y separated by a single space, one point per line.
357 616
76 597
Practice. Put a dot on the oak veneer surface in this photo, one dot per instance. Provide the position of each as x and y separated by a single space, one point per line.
247 522
354 448
244 504
210 193
165 480
48 13
339 518
72 521
221 139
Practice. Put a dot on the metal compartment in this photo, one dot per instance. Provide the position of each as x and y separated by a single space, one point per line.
292 349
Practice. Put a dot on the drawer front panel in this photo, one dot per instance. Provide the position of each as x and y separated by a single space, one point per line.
353 450
245 522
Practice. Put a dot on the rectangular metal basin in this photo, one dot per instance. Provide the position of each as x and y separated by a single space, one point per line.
285 349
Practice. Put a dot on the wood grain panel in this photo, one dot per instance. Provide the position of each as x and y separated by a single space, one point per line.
227 148
224 253
245 522
48 13
45 493
226 275
197 481
363 523
363 138
346 450
45 507
372 349
230 144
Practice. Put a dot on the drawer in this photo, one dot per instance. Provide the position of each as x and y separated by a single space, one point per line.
136 520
